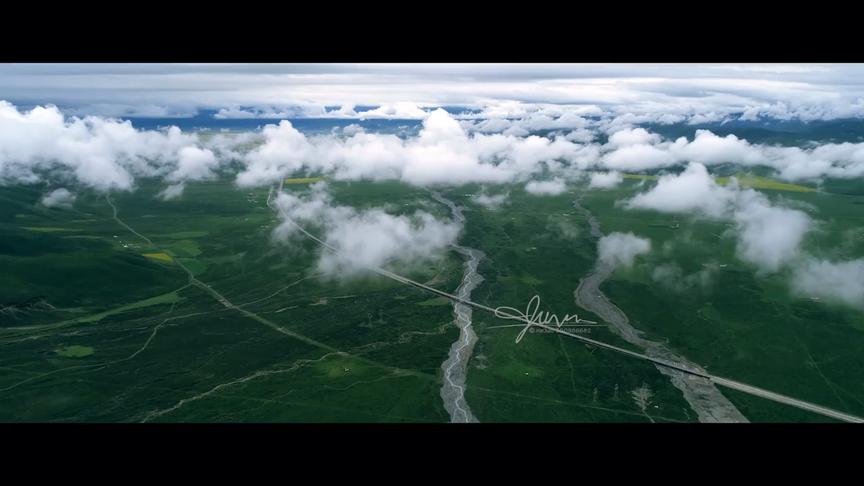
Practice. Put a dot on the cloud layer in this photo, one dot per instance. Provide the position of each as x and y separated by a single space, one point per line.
442 153
643 92
843 160
107 154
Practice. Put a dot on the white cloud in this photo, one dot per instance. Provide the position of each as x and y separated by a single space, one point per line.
516 131
296 110
672 276
100 153
230 145
194 164
634 158
844 160
694 190
491 125
546 188
282 153
605 180
399 110
442 153
582 135
108 154
709 149
172 192
364 239
632 136
392 111
352 129
439 128
835 281
58 198
645 92
493 201
373 238
621 249
815 92
543 119
768 236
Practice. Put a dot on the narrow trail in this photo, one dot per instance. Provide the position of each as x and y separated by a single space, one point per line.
703 397
455 368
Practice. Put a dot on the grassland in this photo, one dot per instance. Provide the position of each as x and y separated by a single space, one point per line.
107 327
743 324
75 351
161 341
